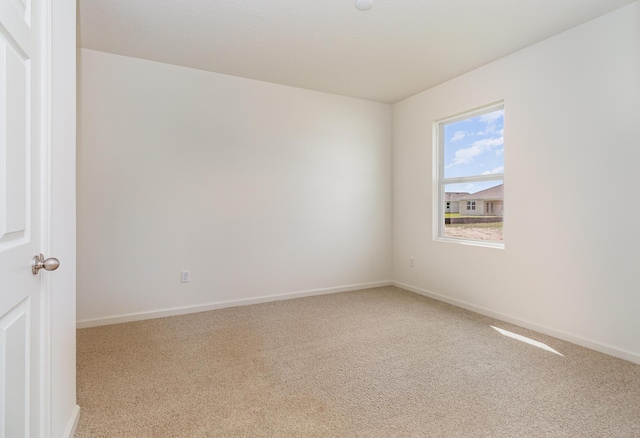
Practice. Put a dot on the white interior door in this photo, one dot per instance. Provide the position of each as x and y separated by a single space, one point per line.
22 151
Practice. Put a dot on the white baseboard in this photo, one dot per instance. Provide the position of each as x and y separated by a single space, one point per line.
73 423
129 317
588 343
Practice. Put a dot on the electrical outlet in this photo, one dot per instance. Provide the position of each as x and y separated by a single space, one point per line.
411 262
185 276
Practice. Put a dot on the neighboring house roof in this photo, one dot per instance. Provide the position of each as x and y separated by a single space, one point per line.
454 196
493 193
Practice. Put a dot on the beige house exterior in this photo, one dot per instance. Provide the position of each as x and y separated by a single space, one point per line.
451 204
489 202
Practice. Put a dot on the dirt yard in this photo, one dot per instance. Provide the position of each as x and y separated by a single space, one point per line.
474 233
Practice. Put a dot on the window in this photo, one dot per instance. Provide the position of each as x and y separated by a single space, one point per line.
470 174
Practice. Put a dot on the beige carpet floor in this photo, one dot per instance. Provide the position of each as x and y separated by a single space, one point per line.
373 363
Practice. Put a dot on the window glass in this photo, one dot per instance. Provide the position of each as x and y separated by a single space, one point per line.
471 177
474 146
466 219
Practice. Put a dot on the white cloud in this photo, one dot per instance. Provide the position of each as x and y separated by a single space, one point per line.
496 170
466 155
500 152
457 136
492 116
489 121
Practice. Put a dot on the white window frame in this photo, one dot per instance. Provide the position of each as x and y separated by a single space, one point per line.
440 182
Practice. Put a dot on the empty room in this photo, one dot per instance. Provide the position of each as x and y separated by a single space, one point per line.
348 218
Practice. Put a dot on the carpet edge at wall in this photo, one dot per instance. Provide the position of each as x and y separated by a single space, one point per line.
578 340
162 313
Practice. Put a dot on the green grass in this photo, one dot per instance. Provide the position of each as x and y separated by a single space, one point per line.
481 225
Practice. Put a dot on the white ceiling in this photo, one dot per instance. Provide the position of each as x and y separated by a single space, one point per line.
394 50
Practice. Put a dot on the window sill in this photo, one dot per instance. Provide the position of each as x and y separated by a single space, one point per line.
483 243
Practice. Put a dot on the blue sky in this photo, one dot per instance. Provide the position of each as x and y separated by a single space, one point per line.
472 147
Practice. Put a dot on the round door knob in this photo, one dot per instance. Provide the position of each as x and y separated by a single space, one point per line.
38 262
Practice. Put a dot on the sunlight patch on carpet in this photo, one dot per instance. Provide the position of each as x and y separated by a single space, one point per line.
526 340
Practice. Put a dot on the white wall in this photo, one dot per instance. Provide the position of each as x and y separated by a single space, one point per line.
257 189
572 110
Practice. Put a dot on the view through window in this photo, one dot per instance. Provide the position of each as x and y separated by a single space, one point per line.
471 176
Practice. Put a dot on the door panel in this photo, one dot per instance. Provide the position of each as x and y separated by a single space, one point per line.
21 171
21 6
14 146
14 363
